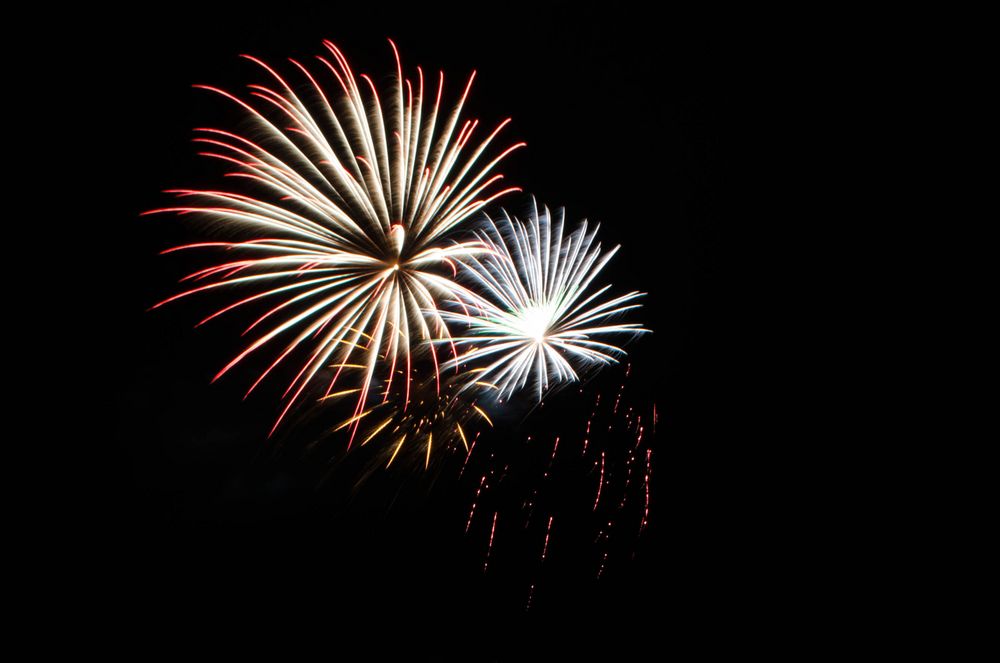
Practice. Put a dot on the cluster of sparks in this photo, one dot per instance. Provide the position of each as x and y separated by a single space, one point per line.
434 417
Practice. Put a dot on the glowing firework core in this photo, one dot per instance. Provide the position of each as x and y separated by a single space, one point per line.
534 322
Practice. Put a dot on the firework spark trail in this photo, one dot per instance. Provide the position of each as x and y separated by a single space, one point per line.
531 595
472 511
545 546
586 438
530 505
552 459
493 530
604 561
537 317
649 469
355 222
468 455
600 483
628 479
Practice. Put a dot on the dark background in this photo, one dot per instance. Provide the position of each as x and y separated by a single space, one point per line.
172 512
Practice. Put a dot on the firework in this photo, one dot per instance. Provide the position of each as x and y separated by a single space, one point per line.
535 317
355 197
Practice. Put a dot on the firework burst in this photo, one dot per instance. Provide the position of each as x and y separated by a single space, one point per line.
537 319
355 197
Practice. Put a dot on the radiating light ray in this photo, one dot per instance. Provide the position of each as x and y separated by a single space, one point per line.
535 316
356 194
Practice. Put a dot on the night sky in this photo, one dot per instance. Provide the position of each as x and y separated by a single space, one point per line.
178 507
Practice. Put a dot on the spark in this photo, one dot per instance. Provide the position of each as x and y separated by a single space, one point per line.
493 530
545 547
482 414
555 447
398 447
468 455
472 511
600 483
649 468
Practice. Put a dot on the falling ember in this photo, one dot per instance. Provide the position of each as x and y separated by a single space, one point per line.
600 483
489 548
472 511
645 513
552 459
545 547
468 455
628 480
430 439
531 595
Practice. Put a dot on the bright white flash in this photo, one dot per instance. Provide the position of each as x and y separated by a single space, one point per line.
535 322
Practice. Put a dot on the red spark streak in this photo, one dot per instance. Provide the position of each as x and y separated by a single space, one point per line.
468 455
645 515
493 530
600 483
472 511
545 547
552 459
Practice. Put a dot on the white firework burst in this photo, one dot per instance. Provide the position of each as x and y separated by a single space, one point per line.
349 227
536 316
